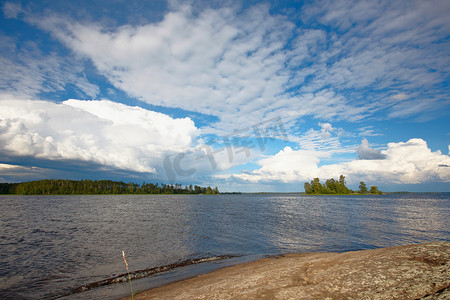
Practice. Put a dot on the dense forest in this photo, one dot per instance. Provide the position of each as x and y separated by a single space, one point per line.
333 186
93 187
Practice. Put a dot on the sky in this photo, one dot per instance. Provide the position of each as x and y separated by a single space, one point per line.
250 96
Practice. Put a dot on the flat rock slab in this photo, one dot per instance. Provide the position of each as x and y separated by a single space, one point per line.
403 272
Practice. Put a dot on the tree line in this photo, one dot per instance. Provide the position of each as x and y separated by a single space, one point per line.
94 187
333 186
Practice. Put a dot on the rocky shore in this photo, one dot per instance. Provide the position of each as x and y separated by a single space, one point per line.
420 271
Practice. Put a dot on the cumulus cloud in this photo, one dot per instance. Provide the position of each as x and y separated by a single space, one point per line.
102 132
366 152
408 162
287 165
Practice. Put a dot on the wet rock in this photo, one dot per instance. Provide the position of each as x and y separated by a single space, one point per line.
420 271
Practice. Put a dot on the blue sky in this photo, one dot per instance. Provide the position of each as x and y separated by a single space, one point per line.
243 95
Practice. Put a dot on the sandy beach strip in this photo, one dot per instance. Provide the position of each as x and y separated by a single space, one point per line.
403 272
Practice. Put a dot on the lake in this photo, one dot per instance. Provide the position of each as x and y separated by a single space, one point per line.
51 245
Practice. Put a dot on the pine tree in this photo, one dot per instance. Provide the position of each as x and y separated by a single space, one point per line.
362 188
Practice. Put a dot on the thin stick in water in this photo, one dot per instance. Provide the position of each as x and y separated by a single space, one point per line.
129 278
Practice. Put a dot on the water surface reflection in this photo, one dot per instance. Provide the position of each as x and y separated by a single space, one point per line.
51 245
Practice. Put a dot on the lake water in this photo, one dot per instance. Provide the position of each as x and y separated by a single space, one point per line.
51 245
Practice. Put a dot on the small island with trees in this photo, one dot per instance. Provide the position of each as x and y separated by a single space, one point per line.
98 187
337 187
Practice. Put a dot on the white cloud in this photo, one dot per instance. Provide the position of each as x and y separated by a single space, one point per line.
137 126
415 107
6 168
26 71
384 46
400 96
11 10
327 139
248 66
10 172
221 63
287 165
368 131
103 132
366 152
408 162
186 59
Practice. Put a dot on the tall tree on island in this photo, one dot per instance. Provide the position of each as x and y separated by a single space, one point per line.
343 189
363 188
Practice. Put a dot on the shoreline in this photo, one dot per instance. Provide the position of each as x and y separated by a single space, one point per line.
408 272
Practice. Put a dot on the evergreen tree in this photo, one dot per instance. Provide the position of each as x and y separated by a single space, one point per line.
333 186
308 188
342 189
316 186
374 190
89 187
362 188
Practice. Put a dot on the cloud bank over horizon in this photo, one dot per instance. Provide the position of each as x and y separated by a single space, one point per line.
410 162
104 132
